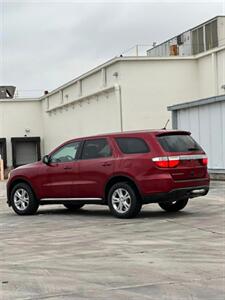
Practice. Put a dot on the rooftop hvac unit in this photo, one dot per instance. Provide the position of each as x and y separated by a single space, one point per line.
180 39
174 50
7 92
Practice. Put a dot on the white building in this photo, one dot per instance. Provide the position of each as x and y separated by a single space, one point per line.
124 93
204 37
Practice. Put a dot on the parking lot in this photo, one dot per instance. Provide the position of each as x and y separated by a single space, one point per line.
89 254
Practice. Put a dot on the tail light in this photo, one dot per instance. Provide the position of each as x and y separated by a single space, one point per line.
204 161
166 161
173 161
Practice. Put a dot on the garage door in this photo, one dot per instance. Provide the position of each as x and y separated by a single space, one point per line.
25 151
3 151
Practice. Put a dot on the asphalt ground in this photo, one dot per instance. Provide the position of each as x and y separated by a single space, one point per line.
89 254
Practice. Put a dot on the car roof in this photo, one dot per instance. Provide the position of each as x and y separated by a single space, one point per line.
130 133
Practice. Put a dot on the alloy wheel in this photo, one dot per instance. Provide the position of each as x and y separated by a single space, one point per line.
21 199
121 200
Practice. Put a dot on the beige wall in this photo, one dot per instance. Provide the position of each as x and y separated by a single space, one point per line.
141 88
93 116
15 117
148 87
211 74
221 30
97 113
221 71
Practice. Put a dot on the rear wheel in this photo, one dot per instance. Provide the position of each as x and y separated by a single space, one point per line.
174 206
73 206
23 200
123 201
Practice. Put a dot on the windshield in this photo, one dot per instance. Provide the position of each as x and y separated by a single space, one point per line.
178 143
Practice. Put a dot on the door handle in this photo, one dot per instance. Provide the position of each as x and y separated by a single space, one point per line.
67 168
106 164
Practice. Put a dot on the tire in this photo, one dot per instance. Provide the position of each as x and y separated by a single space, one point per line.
123 201
174 206
23 200
74 206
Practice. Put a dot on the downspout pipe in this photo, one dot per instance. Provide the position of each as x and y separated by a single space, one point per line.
119 98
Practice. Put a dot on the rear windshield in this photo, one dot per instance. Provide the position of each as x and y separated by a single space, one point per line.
132 145
178 143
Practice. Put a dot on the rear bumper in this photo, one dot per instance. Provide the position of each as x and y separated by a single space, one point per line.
187 192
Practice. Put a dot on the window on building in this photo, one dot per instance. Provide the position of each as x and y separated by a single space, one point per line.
96 149
132 145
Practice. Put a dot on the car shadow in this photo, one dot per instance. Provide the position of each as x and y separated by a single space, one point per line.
105 213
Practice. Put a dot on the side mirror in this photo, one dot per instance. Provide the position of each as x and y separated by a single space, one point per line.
46 159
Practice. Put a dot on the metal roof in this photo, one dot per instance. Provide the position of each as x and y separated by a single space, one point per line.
190 29
200 102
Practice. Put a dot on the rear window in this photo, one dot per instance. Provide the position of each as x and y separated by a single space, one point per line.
178 143
132 145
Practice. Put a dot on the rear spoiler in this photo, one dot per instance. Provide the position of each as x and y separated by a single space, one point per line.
173 132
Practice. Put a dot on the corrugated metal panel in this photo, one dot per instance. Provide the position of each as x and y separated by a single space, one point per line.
216 136
207 125
183 119
223 130
204 128
194 123
197 40
211 35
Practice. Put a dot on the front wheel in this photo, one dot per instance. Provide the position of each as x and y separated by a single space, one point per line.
123 201
23 199
174 206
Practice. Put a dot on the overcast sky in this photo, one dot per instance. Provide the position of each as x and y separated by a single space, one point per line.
44 44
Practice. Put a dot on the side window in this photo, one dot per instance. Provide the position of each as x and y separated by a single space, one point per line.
96 149
132 145
65 154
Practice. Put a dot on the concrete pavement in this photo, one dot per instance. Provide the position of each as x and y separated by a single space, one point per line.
89 254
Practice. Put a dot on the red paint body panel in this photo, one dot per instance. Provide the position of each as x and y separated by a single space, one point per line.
87 178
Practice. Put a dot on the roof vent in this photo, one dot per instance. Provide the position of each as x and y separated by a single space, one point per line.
7 92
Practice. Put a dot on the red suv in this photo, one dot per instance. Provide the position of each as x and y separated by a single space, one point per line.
121 170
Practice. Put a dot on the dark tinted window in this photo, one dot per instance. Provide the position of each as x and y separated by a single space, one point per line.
178 143
96 149
132 145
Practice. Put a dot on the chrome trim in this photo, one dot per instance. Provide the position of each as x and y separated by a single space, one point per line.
180 157
198 191
70 199
192 156
160 158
